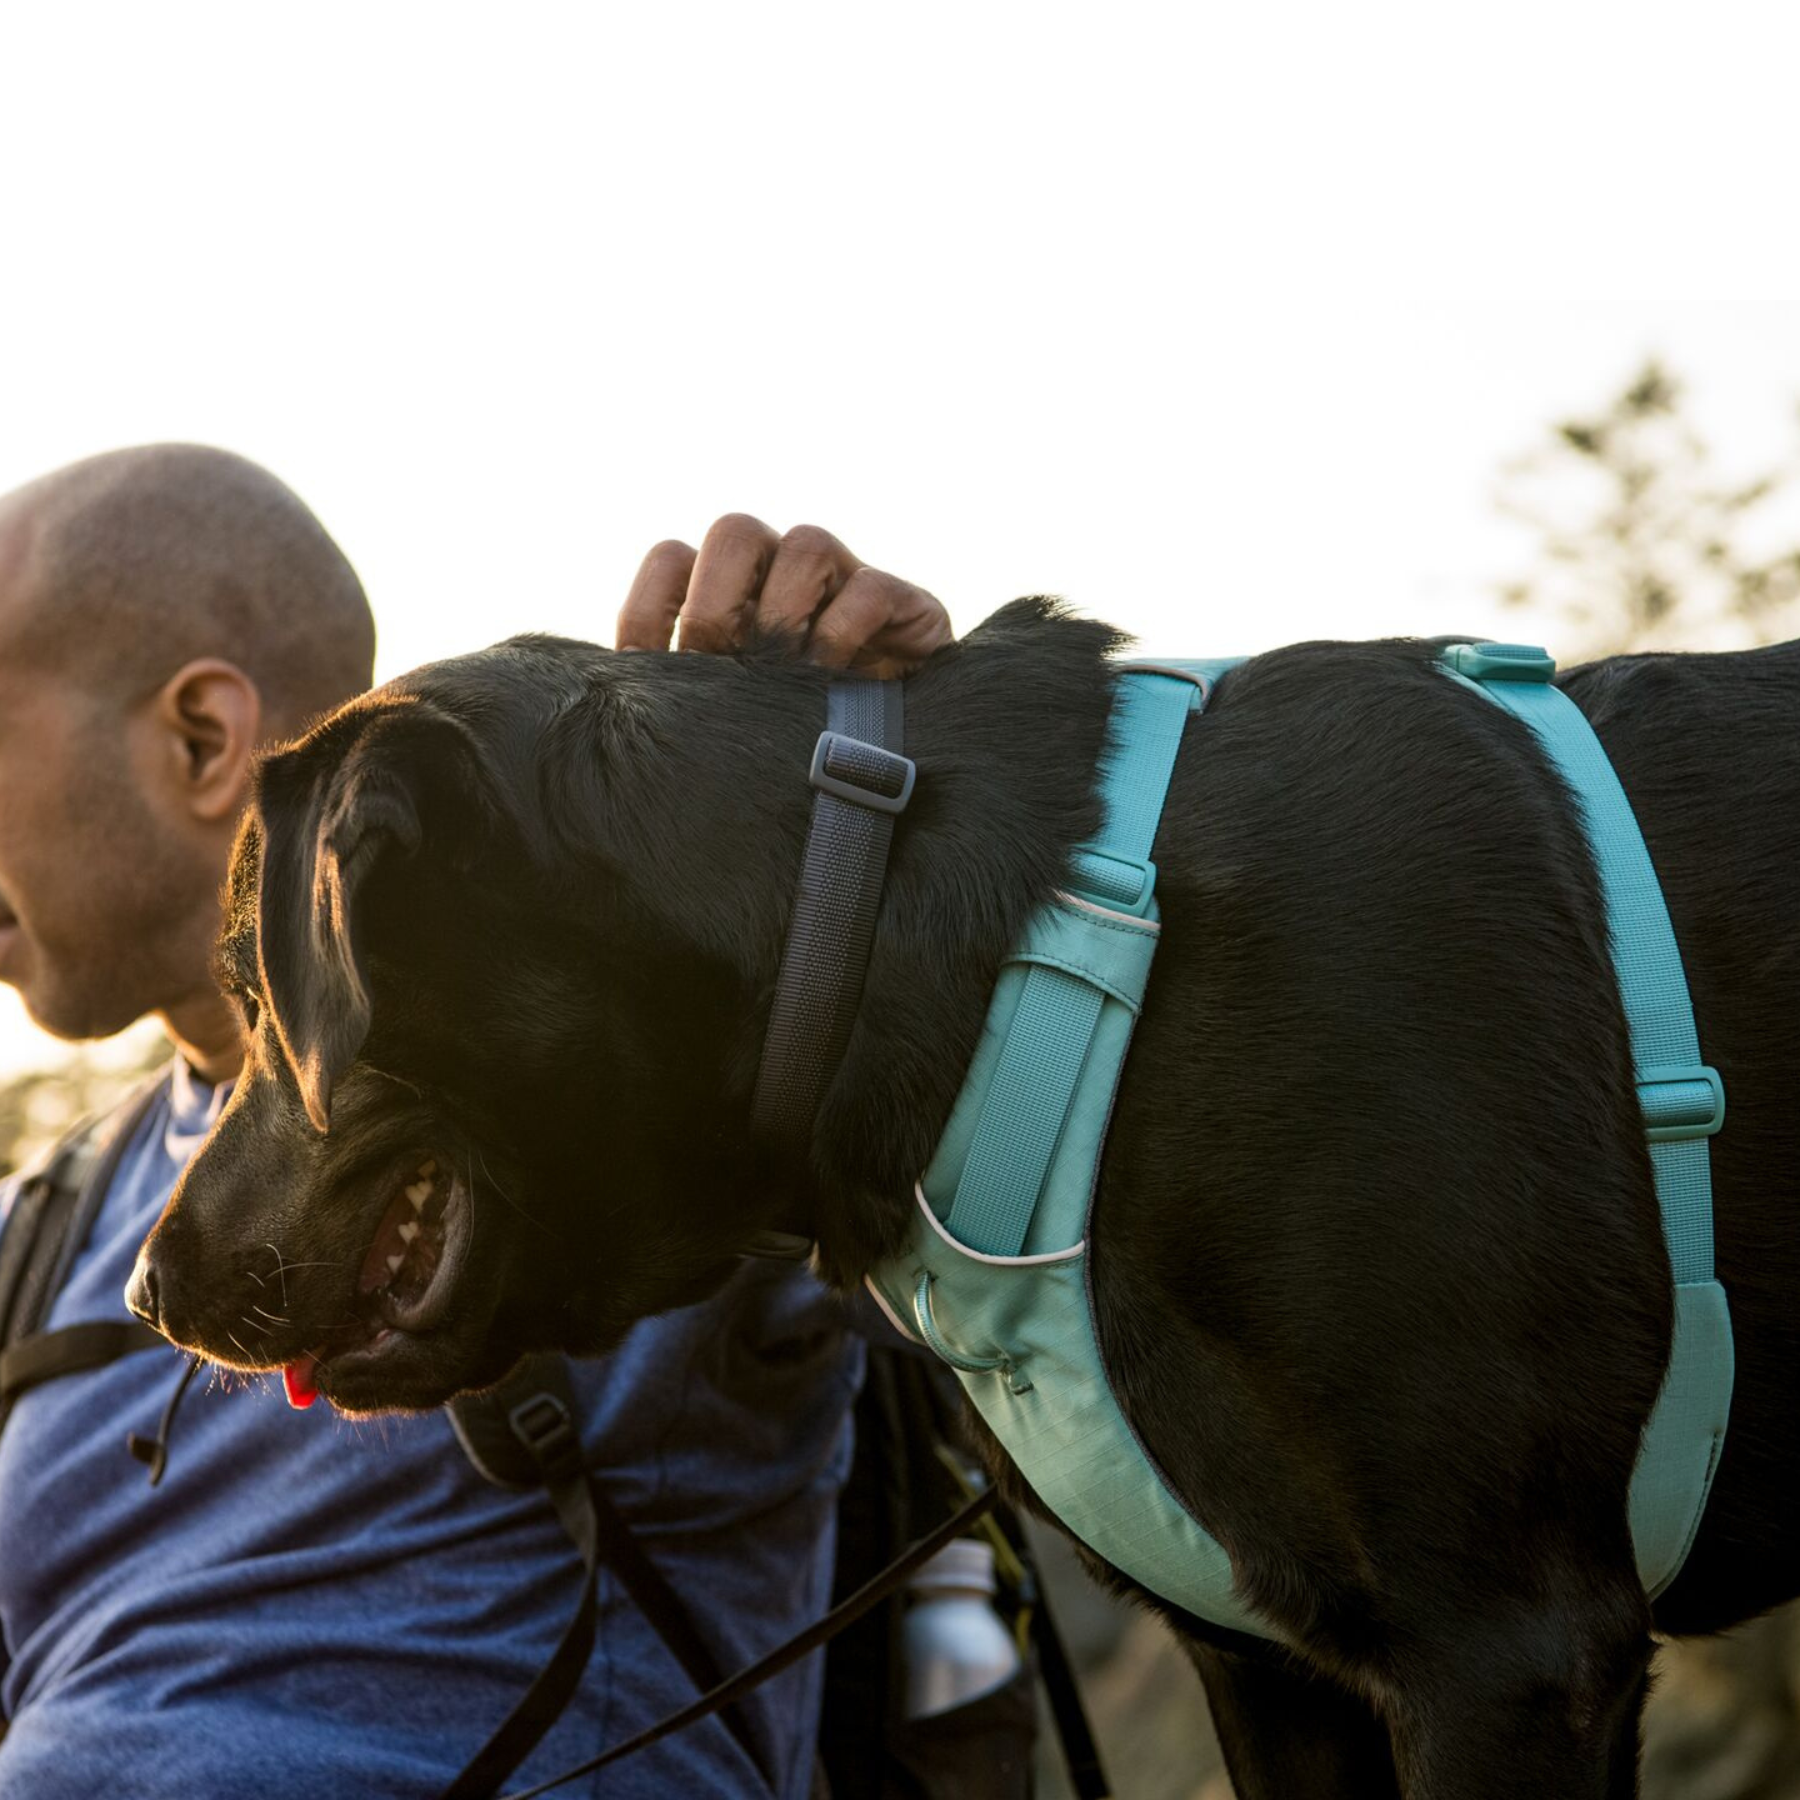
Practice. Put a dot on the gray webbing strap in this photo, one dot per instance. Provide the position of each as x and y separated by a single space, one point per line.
863 783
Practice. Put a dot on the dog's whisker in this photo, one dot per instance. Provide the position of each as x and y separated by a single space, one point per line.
256 1278
245 1354
475 1155
282 1273
245 1319
274 1317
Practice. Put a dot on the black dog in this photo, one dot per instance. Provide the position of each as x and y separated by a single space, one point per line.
1377 1256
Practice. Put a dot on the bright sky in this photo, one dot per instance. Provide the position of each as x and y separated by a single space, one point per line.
1217 319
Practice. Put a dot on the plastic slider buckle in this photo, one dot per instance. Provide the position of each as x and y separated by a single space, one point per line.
1499 662
542 1424
863 774
1681 1102
1124 884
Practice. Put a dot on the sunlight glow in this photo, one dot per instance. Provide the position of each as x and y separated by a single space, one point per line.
1219 321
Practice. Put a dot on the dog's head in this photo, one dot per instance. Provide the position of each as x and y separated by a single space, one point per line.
467 1125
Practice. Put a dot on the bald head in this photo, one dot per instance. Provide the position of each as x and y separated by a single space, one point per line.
122 568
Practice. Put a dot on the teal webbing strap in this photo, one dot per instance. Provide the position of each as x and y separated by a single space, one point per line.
1683 1101
1034 1081
1036 1075
1149 717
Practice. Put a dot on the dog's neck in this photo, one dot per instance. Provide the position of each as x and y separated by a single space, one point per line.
1006 728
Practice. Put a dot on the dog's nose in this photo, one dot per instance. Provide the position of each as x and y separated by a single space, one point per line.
140 1292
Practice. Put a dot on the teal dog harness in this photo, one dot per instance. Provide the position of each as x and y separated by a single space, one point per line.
994 1278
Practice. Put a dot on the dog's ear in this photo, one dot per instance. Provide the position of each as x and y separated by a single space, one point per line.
329 813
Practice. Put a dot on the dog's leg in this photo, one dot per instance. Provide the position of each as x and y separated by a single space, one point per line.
1543 1705
1288 1735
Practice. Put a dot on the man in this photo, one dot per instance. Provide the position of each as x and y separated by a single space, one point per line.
302 1607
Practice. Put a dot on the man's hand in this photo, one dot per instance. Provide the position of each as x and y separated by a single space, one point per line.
804 583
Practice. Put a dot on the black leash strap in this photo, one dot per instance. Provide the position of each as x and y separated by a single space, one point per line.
863 784
784 1656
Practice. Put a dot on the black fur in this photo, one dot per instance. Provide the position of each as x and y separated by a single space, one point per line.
1376 1252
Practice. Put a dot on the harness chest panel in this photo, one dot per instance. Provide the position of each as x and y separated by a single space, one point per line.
995 1277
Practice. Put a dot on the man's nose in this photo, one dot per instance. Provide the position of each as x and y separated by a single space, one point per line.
140 1292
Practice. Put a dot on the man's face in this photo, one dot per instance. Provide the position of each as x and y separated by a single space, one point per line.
96 901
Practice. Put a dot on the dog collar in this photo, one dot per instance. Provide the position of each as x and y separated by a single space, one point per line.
861 784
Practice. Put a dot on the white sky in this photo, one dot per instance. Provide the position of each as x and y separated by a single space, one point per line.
1217 319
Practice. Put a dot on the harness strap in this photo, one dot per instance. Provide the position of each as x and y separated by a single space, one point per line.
1039 1069
863 784
1683 1100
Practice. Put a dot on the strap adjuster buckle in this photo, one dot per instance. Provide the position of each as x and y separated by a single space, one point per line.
1125 884
1499 662
542 1424
864 774
1681 1101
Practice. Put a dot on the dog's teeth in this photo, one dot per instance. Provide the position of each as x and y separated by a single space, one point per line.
394 1262
409 1231
418 1194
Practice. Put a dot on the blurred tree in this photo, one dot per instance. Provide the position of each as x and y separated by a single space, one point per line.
1641 543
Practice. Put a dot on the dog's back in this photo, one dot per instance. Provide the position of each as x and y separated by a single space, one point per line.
1396 1192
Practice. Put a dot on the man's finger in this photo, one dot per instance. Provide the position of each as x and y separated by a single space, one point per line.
810 566
648 615
879 625
728 574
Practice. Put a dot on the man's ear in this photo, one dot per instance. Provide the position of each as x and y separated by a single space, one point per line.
212 719
323 832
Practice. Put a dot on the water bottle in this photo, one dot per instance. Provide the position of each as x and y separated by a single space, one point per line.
957 1648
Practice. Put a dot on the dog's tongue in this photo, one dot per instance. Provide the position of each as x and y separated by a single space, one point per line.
301 1382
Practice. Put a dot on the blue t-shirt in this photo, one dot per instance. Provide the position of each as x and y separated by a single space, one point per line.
310 1608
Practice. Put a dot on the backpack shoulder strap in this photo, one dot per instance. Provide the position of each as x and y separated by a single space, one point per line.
37 1221
51 1214
525 1434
